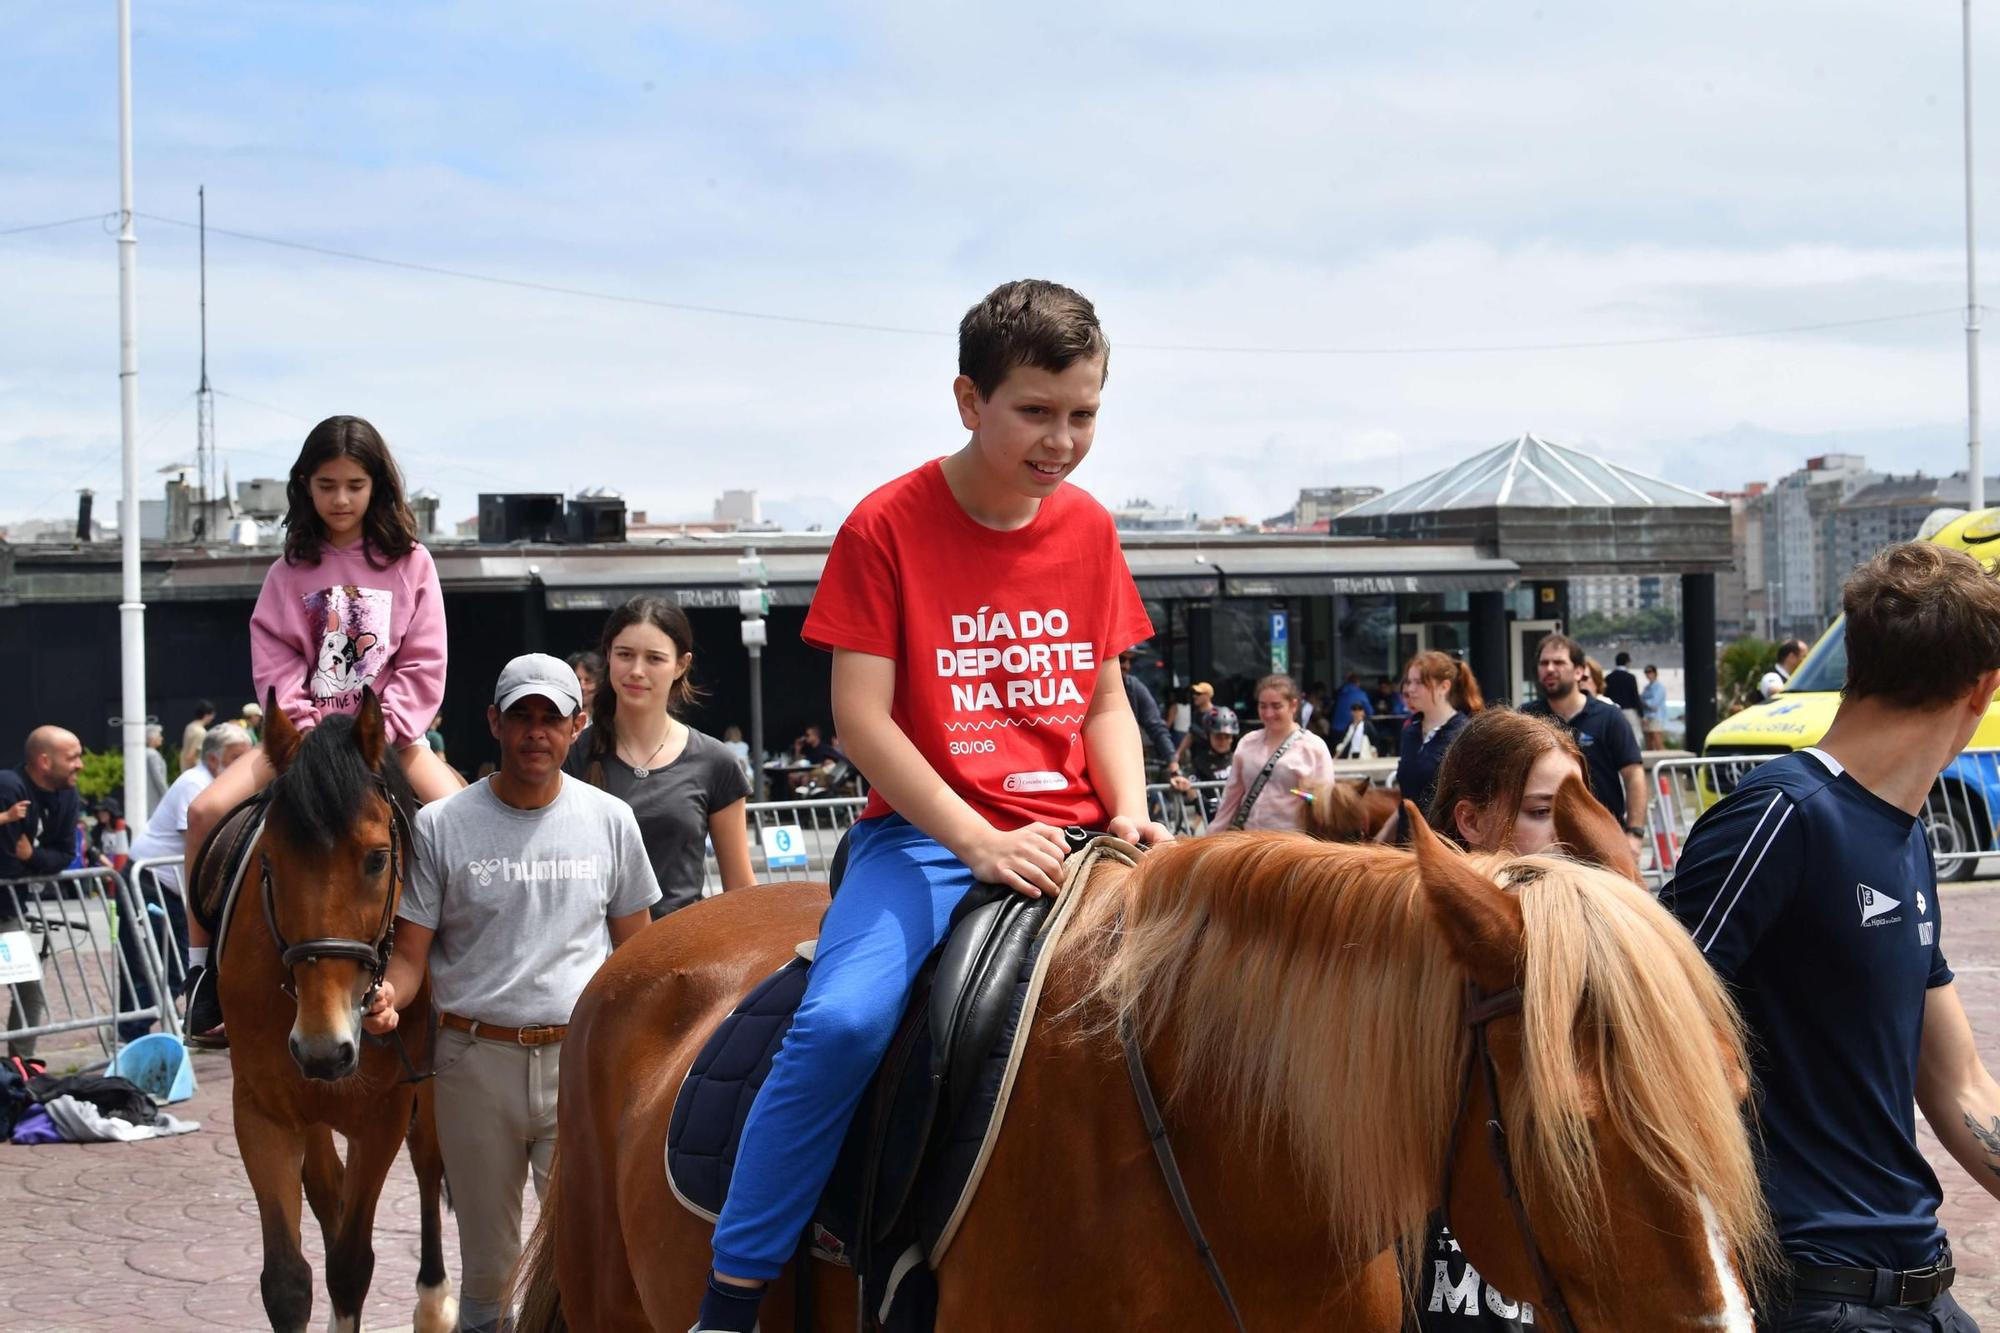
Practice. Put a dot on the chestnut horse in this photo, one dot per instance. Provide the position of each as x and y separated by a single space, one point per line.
1347 809
326 874
1303 1008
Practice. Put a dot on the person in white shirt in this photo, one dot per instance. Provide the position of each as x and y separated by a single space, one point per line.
165 839
1356 743
1778 677
165 834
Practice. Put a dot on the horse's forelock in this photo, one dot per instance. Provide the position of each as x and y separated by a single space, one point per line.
319 797
1616 987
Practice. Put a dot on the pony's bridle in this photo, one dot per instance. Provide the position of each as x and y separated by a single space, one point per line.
373 953
1480 1010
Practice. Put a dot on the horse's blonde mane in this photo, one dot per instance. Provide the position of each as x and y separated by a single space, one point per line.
1308 987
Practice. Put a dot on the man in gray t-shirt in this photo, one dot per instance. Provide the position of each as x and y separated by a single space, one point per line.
520 887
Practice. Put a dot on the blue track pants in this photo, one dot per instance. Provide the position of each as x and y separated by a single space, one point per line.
894 906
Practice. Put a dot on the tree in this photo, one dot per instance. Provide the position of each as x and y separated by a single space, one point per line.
1743 664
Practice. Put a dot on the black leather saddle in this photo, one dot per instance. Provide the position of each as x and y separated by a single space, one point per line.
916 1140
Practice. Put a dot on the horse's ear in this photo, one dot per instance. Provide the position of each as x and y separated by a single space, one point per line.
281 738
1592 833
1360 786
1481 921
369 733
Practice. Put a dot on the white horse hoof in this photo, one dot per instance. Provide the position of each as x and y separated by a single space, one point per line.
437 1309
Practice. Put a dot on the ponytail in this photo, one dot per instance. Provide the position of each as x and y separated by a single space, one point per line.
1442 671
1465 696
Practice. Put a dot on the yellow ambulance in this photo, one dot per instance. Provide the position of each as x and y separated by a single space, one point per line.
1963 807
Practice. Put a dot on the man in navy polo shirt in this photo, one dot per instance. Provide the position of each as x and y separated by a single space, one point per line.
1611 756
1811 889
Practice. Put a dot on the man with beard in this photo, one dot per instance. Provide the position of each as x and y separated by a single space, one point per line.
1610 752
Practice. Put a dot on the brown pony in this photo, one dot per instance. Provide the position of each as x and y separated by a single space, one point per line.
1347 809
326 871
1302 1008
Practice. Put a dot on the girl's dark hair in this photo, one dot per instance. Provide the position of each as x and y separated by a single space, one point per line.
1453 674
671 621
1487 764
388 529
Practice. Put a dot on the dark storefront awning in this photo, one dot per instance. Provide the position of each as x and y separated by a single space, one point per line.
703 580
1361 570
1172 573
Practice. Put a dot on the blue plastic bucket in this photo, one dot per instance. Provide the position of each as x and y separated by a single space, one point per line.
159 1065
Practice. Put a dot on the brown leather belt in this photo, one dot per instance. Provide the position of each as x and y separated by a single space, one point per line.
534 1034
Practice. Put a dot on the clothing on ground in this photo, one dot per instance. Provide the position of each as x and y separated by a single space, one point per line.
496 1108
672 805
998 637
1306 761
1419 758
1817 901
519 898
80 1122
322 631
894 908
1608 746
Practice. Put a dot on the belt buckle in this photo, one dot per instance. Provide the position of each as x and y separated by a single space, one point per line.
1905 1280
521 1033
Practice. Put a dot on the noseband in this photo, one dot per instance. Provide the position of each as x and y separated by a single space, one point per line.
374 954
1480 1010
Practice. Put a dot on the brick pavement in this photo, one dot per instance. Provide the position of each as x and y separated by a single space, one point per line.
163 1234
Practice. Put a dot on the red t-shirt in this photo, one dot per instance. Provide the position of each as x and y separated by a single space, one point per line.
997 637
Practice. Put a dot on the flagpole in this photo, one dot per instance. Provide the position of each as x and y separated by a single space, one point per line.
131 610
1976 491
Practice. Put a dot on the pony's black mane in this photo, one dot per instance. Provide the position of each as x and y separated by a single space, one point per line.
319 796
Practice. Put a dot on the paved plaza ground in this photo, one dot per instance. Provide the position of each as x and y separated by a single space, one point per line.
163 1235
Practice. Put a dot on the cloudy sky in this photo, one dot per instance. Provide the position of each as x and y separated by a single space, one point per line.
1331 244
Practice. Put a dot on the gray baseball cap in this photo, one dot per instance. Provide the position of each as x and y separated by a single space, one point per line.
538 673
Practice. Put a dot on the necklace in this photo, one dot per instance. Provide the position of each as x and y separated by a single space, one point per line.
641 769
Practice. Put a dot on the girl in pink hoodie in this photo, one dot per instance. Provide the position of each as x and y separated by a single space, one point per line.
354 601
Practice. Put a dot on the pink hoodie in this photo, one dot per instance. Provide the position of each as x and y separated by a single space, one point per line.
321 632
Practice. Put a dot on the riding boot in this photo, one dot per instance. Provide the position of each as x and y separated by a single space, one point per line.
204 1011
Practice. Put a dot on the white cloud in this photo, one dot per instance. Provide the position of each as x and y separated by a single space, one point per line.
1443 175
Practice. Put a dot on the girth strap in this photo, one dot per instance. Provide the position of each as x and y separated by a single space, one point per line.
1156 1131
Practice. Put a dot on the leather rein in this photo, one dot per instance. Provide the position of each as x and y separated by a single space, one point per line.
374 953
1480 1010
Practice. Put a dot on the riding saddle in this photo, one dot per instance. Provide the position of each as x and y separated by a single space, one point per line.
920 1141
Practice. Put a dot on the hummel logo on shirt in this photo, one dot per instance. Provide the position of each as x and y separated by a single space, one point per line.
1874 904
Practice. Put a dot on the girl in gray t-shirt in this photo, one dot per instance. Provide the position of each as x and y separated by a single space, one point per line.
684 787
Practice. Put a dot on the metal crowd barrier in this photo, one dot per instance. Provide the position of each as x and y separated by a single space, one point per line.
817 826
74 959
1958 814
156 881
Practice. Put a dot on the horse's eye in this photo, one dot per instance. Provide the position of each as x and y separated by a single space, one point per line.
376 862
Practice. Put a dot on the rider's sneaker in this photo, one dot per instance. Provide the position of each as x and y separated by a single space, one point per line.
204 1012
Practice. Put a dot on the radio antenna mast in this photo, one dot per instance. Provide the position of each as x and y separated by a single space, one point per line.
204 396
